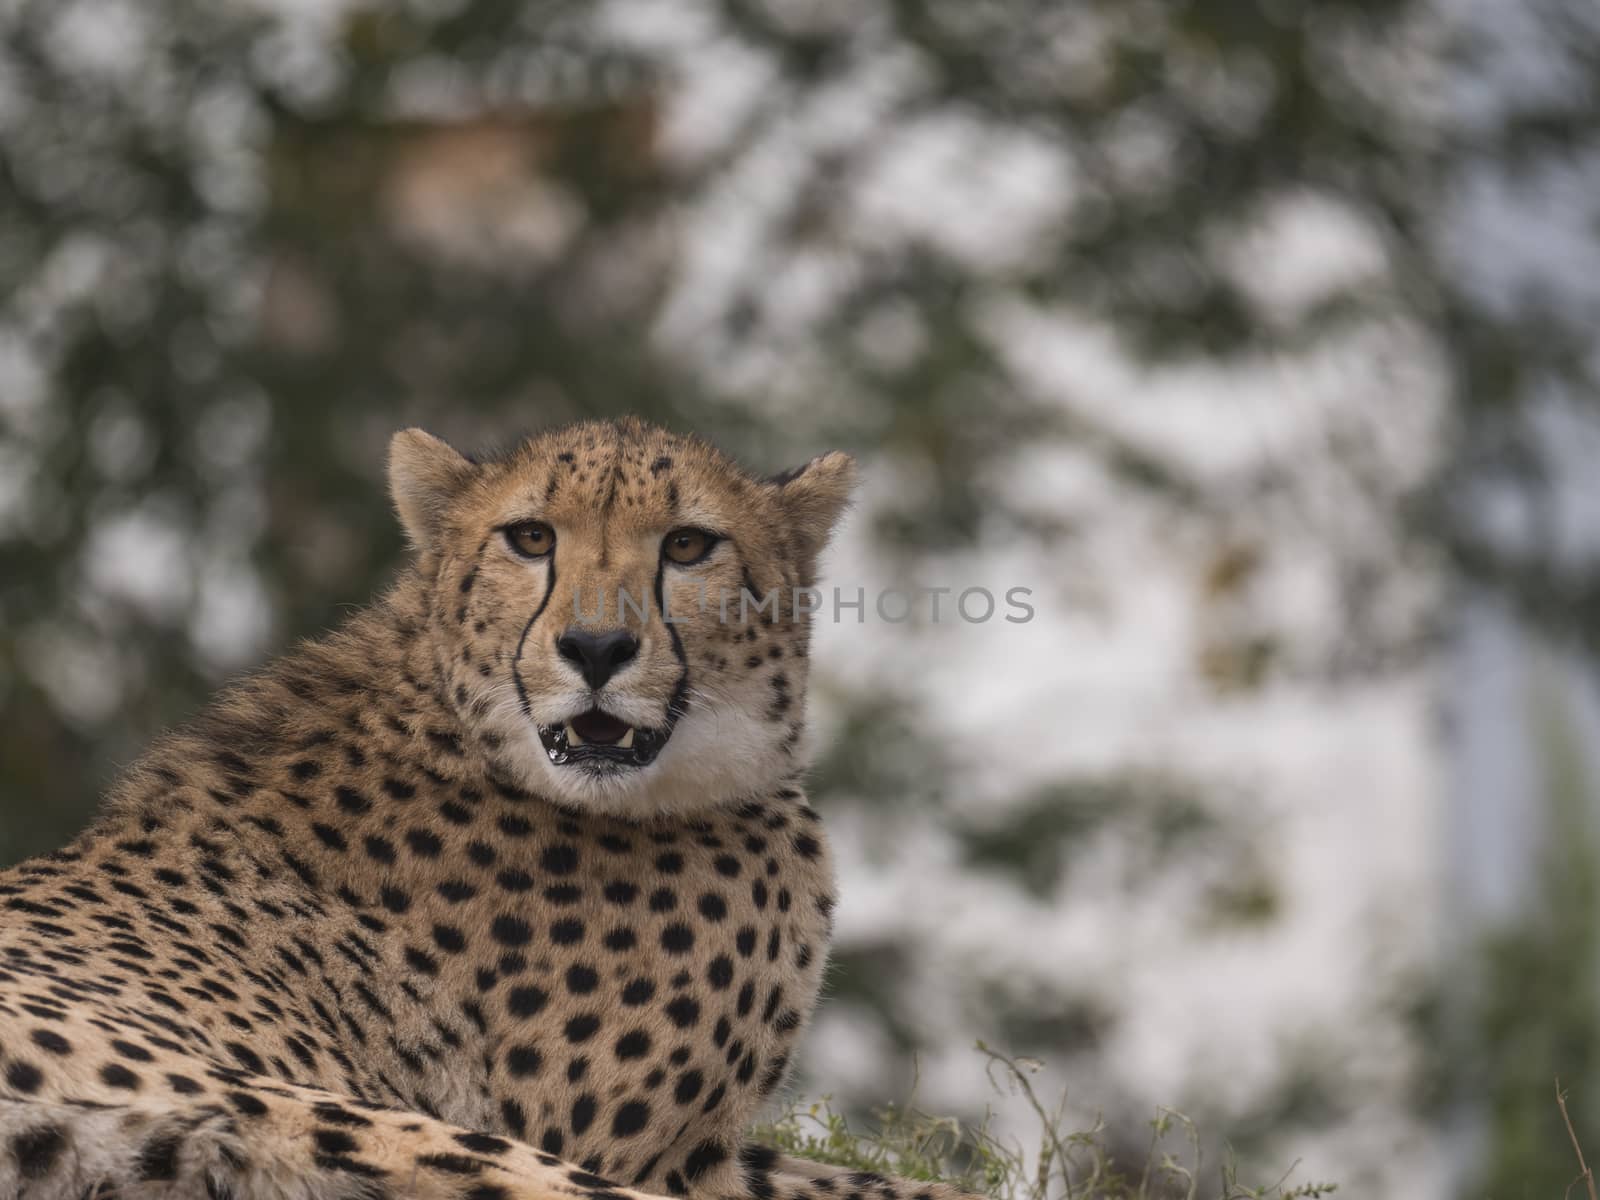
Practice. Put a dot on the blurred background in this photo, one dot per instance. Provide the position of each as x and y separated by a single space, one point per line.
1256 337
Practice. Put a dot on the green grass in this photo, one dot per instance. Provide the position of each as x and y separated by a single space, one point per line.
1064 1165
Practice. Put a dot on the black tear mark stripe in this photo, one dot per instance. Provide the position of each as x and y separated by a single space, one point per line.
679 704
516 659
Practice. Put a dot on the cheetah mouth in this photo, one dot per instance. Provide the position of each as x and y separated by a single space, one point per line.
598 739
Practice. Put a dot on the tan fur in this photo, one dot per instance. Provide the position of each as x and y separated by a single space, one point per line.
352 934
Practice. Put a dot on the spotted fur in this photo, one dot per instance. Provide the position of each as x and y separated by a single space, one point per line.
353 934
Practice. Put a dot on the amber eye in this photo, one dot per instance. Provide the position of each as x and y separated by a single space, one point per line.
531 539
686 546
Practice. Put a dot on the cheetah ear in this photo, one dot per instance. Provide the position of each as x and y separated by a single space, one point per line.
425 475
814 496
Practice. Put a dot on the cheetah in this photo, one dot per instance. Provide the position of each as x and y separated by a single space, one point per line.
504 890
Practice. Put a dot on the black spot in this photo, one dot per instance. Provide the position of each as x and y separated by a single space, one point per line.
482 1143
683 1011
516 1120
753 1157
581 979
663 900
244 1056
640 991
713 907
702 1158
677 939
566 932
351 800
523 1061
421 961
37 1150
456 891
669 863
514 881
634 1044
452 1164
517 827
328 836
630 1118
510 931
620 892
379 849
424 843
689 1085
49 1039
746 941
582 1028
774 1076
526 1001
334 1141
582 1114
118 1076
559 859
727 865
719 974
447 741
620 939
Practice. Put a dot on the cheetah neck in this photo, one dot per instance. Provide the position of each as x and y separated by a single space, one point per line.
332 712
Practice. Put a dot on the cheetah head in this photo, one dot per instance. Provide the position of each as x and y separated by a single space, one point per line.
617 611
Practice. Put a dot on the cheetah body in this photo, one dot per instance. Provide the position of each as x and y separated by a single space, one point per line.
354 933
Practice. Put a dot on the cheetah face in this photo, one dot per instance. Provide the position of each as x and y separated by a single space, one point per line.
614 609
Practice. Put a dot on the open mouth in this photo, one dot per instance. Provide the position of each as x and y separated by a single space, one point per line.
598 737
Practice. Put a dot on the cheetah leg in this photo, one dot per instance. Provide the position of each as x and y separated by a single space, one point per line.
773 1176
268 1141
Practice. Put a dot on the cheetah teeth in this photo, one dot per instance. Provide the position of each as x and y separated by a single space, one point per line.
625 742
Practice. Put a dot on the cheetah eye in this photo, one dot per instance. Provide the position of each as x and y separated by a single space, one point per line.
531 539
688 546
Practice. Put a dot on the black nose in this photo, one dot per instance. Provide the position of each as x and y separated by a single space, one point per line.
598 655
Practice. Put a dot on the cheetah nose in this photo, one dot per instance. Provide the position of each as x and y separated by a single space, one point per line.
598 656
